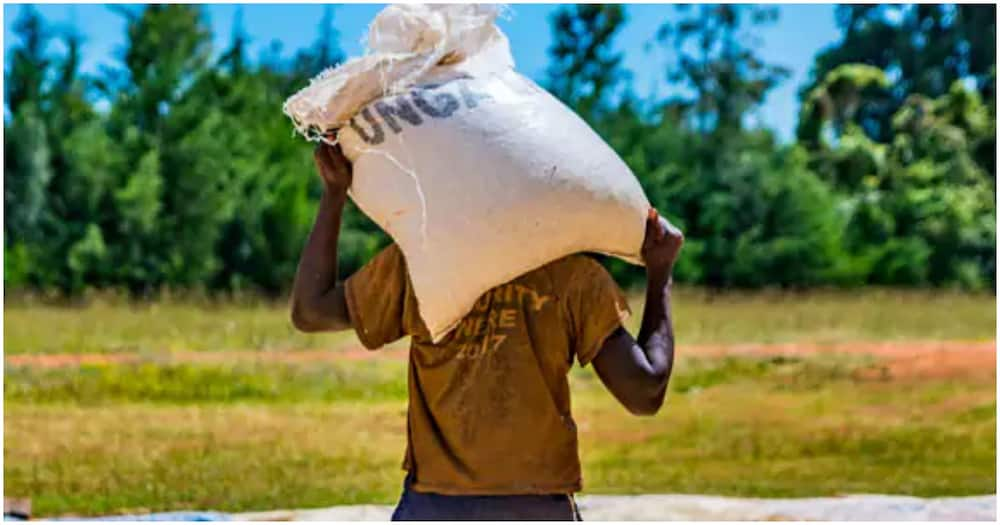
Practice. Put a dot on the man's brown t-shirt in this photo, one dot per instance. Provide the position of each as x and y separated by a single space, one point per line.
489 409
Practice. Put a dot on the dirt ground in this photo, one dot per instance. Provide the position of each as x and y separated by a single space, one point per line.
895 360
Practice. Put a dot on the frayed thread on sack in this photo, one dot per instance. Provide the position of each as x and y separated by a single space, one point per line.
404 44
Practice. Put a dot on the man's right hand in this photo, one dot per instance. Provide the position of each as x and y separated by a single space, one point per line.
662 244
333 167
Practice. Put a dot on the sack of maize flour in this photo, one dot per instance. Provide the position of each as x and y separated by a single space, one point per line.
477 173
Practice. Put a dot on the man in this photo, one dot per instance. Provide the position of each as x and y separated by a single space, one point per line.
489 429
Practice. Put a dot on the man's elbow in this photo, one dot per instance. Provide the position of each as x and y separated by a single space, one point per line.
646 407
310 319
651 401
303 319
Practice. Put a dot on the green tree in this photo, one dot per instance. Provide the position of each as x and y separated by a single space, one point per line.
715 59
192 178
28 63
754 213
829 110
584 69
275 188
922 48
52 199
921 207
894 119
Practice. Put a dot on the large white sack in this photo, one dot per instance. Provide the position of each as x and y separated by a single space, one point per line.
477 173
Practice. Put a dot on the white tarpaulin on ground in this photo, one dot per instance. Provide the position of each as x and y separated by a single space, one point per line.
664 507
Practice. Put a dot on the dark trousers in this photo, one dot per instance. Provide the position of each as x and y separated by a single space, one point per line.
426 506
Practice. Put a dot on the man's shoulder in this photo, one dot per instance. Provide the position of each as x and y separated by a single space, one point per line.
578 261
577 267
391 255
385 266
393 250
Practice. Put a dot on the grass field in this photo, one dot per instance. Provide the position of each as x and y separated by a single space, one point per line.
112 325
165 433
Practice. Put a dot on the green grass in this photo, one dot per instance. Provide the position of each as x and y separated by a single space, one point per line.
831 316
185 383
246 434
117 438
138 457
338 381
109 325
114 326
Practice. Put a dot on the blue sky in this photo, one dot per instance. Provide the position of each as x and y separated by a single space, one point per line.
801 31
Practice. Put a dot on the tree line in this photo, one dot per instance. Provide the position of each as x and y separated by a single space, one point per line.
175 168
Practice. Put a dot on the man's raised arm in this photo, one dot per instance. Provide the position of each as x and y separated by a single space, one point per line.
318 300
637 371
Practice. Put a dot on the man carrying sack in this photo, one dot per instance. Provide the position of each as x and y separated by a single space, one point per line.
490 435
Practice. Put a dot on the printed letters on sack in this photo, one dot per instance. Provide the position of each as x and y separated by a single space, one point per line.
433 101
